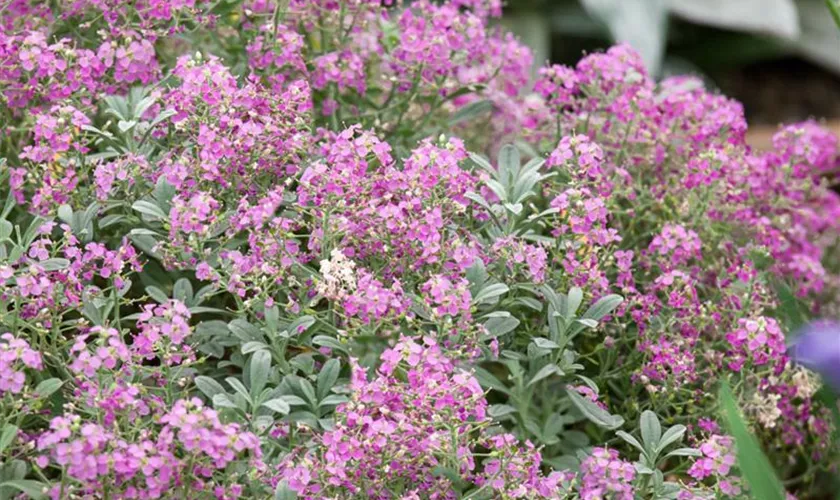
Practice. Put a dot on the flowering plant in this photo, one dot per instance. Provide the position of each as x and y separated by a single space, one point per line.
345 249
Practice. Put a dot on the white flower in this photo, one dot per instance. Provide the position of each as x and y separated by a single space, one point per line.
339 276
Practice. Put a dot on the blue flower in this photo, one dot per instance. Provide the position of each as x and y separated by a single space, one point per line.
818 347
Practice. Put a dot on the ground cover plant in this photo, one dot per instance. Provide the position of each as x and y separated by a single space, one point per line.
346 249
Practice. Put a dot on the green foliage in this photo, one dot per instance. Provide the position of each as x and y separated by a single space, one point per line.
756 468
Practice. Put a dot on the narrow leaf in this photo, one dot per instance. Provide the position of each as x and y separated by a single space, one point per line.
48 387
7 436
672 435
260 370
148 208
603 307
223 401
631 441
684 452
208 386
651 430
490 292
755 467
327 377
35 490
279 405
595 413
545 372
283 492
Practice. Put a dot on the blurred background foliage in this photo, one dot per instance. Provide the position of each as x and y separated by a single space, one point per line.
781 58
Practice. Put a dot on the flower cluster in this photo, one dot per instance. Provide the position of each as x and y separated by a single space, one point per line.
344 248
107 351
15 356
398 429
717 461
163 332
605 475
187 449
758 340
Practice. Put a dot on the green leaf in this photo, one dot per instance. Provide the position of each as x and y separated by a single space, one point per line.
451 474
253 346
684 452
110 220
603 307
829 399
5 229
303 417
545 343
514 208
209 387
332 343
791 309
332 400
300 325
11 470
327 377
651 430
148 208
272 318
490 292
223 401
497 188
260 371
204 309
497 326
564 462
164 192
157 294
672 435
819 37
643 469
595 413
183 290
478 199
631 440
470 111
65 213
755 467
545 372
245 331
476 274
587 322
641 23
482 163
572 302
499 411
308 392
7 436
53 264
294 400
239 387
770 17
834 8
530 303
279 405
33 489
283 492
509 163
48 387
125 126
488 380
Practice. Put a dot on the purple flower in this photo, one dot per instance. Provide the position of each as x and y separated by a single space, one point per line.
818 347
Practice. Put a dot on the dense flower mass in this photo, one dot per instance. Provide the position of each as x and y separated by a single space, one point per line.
255 249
